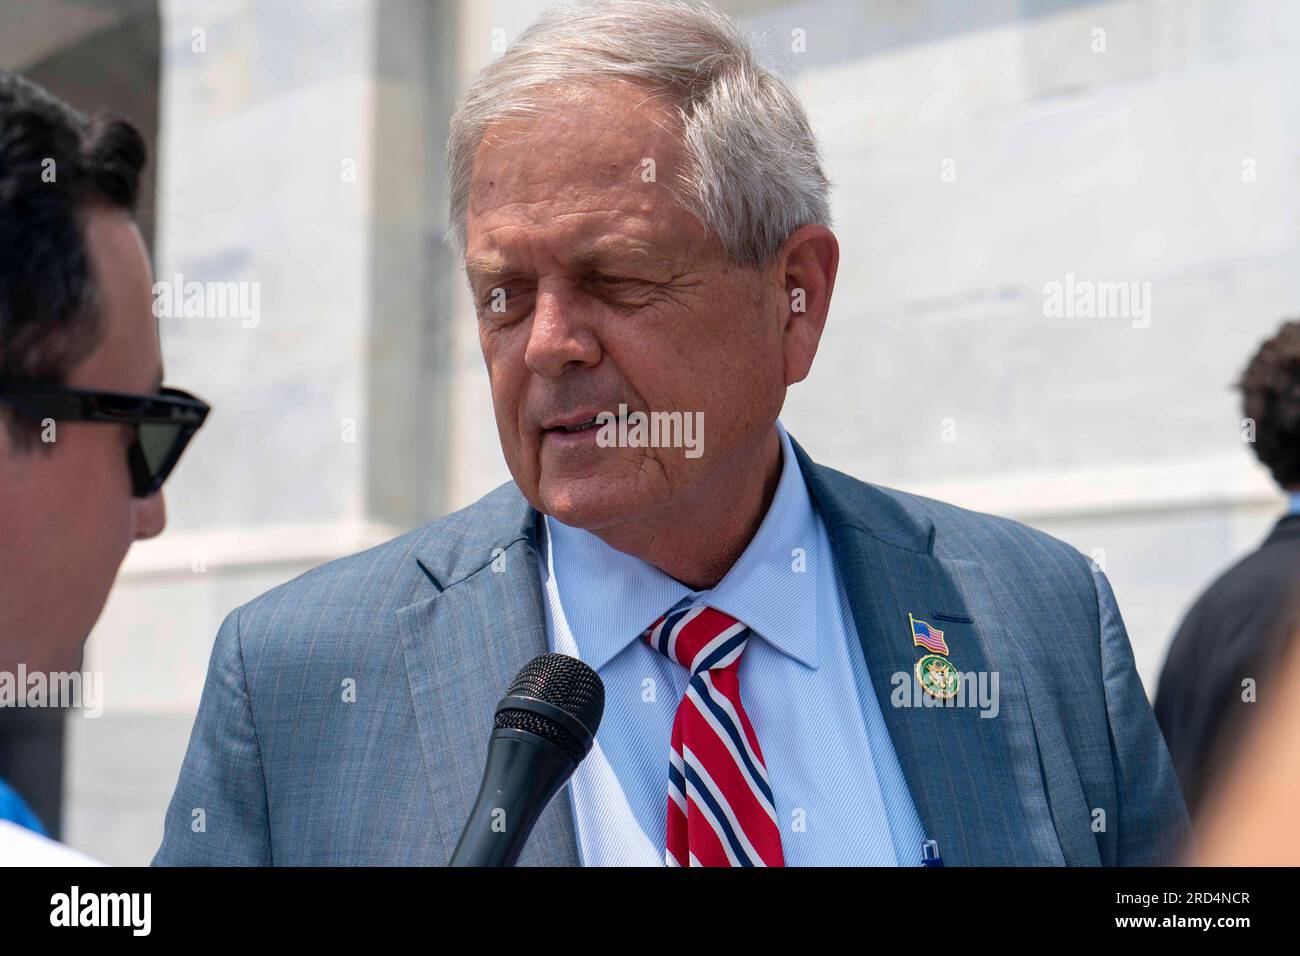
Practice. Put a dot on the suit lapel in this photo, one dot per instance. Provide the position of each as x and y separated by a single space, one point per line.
975 781
463 645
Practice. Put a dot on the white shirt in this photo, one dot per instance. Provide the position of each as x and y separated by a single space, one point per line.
20 846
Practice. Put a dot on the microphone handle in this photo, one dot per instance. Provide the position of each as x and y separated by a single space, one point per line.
523 772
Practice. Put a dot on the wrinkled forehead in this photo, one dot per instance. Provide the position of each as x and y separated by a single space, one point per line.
583 161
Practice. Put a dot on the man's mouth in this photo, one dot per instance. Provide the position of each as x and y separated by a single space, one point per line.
579 421
580 427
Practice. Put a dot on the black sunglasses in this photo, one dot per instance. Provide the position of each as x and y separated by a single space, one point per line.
163 423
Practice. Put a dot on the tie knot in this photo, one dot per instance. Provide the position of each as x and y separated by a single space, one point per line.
700 638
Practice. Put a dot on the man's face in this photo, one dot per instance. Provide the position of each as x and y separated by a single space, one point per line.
69 516
609 292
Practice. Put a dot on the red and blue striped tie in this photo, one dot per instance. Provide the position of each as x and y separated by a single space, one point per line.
720 806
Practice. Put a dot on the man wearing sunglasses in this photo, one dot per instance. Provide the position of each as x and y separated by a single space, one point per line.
87 433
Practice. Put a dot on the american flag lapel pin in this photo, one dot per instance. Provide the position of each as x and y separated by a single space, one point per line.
934 672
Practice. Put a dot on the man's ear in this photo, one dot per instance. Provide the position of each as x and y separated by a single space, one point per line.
810 259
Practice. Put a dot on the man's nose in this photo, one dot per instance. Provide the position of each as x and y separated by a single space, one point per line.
559 338
150 517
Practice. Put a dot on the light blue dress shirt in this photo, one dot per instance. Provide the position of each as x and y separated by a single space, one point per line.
1294 508
841 798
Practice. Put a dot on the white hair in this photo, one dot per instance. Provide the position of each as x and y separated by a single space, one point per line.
754 174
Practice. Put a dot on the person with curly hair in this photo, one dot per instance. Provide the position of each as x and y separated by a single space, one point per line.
1225 655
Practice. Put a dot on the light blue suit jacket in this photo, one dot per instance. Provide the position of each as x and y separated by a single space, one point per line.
283 768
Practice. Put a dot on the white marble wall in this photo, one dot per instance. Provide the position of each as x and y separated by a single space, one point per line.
1126 165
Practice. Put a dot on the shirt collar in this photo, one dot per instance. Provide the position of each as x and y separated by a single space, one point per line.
771 587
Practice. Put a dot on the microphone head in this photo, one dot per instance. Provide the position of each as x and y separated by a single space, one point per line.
558 698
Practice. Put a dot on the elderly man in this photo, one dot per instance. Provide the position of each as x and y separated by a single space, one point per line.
645 229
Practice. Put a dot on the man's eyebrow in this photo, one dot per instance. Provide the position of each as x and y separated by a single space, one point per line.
479 268
645 255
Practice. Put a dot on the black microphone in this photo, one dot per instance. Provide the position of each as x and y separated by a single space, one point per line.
543 728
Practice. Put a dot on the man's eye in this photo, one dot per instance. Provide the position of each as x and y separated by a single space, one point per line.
617 281
498 298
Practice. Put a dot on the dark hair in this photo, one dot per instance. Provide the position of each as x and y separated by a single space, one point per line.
1270 389
54 162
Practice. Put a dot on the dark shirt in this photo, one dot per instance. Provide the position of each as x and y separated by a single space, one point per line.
1237 629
